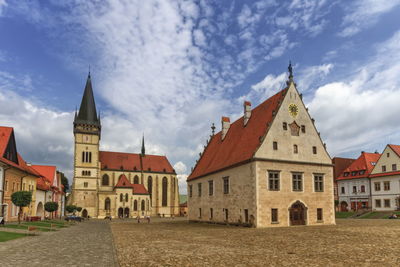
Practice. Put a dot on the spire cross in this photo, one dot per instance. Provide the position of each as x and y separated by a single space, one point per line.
213 129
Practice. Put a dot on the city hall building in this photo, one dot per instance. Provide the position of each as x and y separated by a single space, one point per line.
268 168
116 184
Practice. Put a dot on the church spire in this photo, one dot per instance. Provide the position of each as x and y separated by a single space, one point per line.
87 112
143 148
290 69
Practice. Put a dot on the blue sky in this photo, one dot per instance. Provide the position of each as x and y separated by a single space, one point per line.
170 68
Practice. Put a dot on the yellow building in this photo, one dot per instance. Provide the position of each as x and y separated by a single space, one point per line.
268 168
18 176
117 184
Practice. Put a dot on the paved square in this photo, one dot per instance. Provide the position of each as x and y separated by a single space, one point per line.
167 242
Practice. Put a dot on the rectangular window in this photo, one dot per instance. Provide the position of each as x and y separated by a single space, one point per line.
190 190
199 212
246 215
297 180
274 215
314 150
303 128
343 190
211 213
85 184
377 203
387 154
273 180
386 185
354 189
377 186
383 168
318 183
387 203
275 145
83 156
319 214
199 189
295 149
210 188
285 126
226 214
394 167
226 185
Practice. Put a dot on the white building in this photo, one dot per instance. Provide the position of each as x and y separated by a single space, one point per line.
385 180
354 185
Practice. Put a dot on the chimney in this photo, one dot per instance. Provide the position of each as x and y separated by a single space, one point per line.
226 123
247 112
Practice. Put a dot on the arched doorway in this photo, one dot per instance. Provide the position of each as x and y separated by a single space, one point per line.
343 206
84 213
120 213
126 213
297 214
39 210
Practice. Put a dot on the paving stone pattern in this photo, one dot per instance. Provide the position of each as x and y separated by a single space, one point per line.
355 242
88 243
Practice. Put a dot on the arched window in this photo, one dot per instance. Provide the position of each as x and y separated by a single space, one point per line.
164 192
150 185
136 179
135 205
143 205
126 197
107 204
105 180
121 197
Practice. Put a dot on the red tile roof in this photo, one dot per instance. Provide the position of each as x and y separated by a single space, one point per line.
365 162
134 162
240 143
396 149
5 134
384 174
48 172
123 182
43 184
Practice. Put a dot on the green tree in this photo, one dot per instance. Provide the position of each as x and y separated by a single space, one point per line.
64 181
51 207
70 208
21 199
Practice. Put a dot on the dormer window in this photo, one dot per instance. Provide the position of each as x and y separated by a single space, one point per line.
346 174
284 125
353 173
361 172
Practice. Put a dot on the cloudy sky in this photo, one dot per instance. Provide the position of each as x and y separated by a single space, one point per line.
169 69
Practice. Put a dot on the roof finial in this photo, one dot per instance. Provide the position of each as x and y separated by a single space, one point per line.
89 71
290 70
143 148
213 129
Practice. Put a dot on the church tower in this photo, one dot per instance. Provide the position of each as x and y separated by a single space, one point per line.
87 130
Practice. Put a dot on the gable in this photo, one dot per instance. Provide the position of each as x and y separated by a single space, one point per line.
10 151
361 167
292 126
388 158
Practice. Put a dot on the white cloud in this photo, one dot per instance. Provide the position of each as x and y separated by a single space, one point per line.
311 76
360 112
3 5
364 13
180 168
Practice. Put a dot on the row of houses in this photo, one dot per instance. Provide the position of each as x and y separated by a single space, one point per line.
17 175
372 181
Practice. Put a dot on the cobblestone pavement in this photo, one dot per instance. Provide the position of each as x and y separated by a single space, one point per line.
88 243
167 242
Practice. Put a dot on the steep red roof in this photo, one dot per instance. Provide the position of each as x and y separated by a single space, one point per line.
340 164
396 149
361 167
134 162
240 143
5 134
42 184
46 171
123 182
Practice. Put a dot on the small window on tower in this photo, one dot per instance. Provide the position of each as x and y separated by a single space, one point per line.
303 128
295 149
285 126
